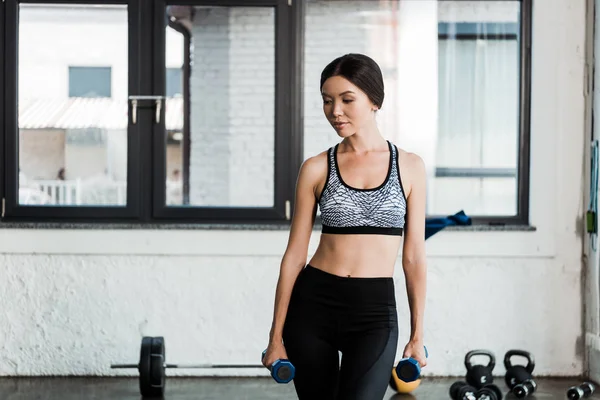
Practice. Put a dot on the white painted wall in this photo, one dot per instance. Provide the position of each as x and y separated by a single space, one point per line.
76 300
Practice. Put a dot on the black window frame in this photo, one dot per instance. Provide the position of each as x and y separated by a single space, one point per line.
145 194
523 162
283 171
12 210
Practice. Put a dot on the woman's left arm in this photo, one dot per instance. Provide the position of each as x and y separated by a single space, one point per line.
413 255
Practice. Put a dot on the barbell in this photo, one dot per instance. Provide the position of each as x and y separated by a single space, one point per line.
152 367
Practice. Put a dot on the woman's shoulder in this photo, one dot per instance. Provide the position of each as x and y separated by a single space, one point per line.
314 167
315 164
409 159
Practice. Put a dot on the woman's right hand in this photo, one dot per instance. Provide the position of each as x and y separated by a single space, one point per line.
275 351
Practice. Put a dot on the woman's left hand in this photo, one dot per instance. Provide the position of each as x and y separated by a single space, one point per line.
416 350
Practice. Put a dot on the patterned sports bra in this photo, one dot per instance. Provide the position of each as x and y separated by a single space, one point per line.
347 210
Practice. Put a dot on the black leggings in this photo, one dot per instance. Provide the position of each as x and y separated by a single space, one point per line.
355 316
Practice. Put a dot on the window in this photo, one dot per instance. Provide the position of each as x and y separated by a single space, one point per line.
478 128
206 115
194 128
232 106
73 148
453 77
90 82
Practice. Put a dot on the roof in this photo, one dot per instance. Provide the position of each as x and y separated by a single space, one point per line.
81 113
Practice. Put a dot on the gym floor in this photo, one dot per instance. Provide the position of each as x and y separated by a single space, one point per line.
224 388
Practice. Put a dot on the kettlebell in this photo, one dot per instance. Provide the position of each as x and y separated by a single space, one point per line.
518 377
516 374
462 391
479 375
489 392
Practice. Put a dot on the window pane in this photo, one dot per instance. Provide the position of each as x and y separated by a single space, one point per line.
479 114
72 150
451 74
486 196
478 105
230 129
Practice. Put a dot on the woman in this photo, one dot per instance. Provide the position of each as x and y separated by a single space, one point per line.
370 193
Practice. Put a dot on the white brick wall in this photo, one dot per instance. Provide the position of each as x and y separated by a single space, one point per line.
209 110
232 107
252 106
332 29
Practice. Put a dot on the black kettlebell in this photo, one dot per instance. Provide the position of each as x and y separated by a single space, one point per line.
479 375
489 392
517 374
462 391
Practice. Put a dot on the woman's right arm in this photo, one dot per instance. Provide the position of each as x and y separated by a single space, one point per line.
295 256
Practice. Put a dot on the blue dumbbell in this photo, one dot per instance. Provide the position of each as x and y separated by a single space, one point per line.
408 369
282 371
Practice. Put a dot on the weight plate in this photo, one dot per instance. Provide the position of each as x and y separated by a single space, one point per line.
157 366
144 367
152 367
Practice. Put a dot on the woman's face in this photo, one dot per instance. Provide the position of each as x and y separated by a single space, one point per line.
346 107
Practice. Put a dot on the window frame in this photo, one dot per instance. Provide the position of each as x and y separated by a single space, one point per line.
13 211
280 211
145 203
186 140
524 133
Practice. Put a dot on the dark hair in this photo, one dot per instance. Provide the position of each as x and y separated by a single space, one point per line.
362 71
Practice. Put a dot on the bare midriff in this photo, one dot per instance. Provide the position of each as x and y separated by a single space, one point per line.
357 255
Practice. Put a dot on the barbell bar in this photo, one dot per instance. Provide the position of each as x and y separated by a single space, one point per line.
152 367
